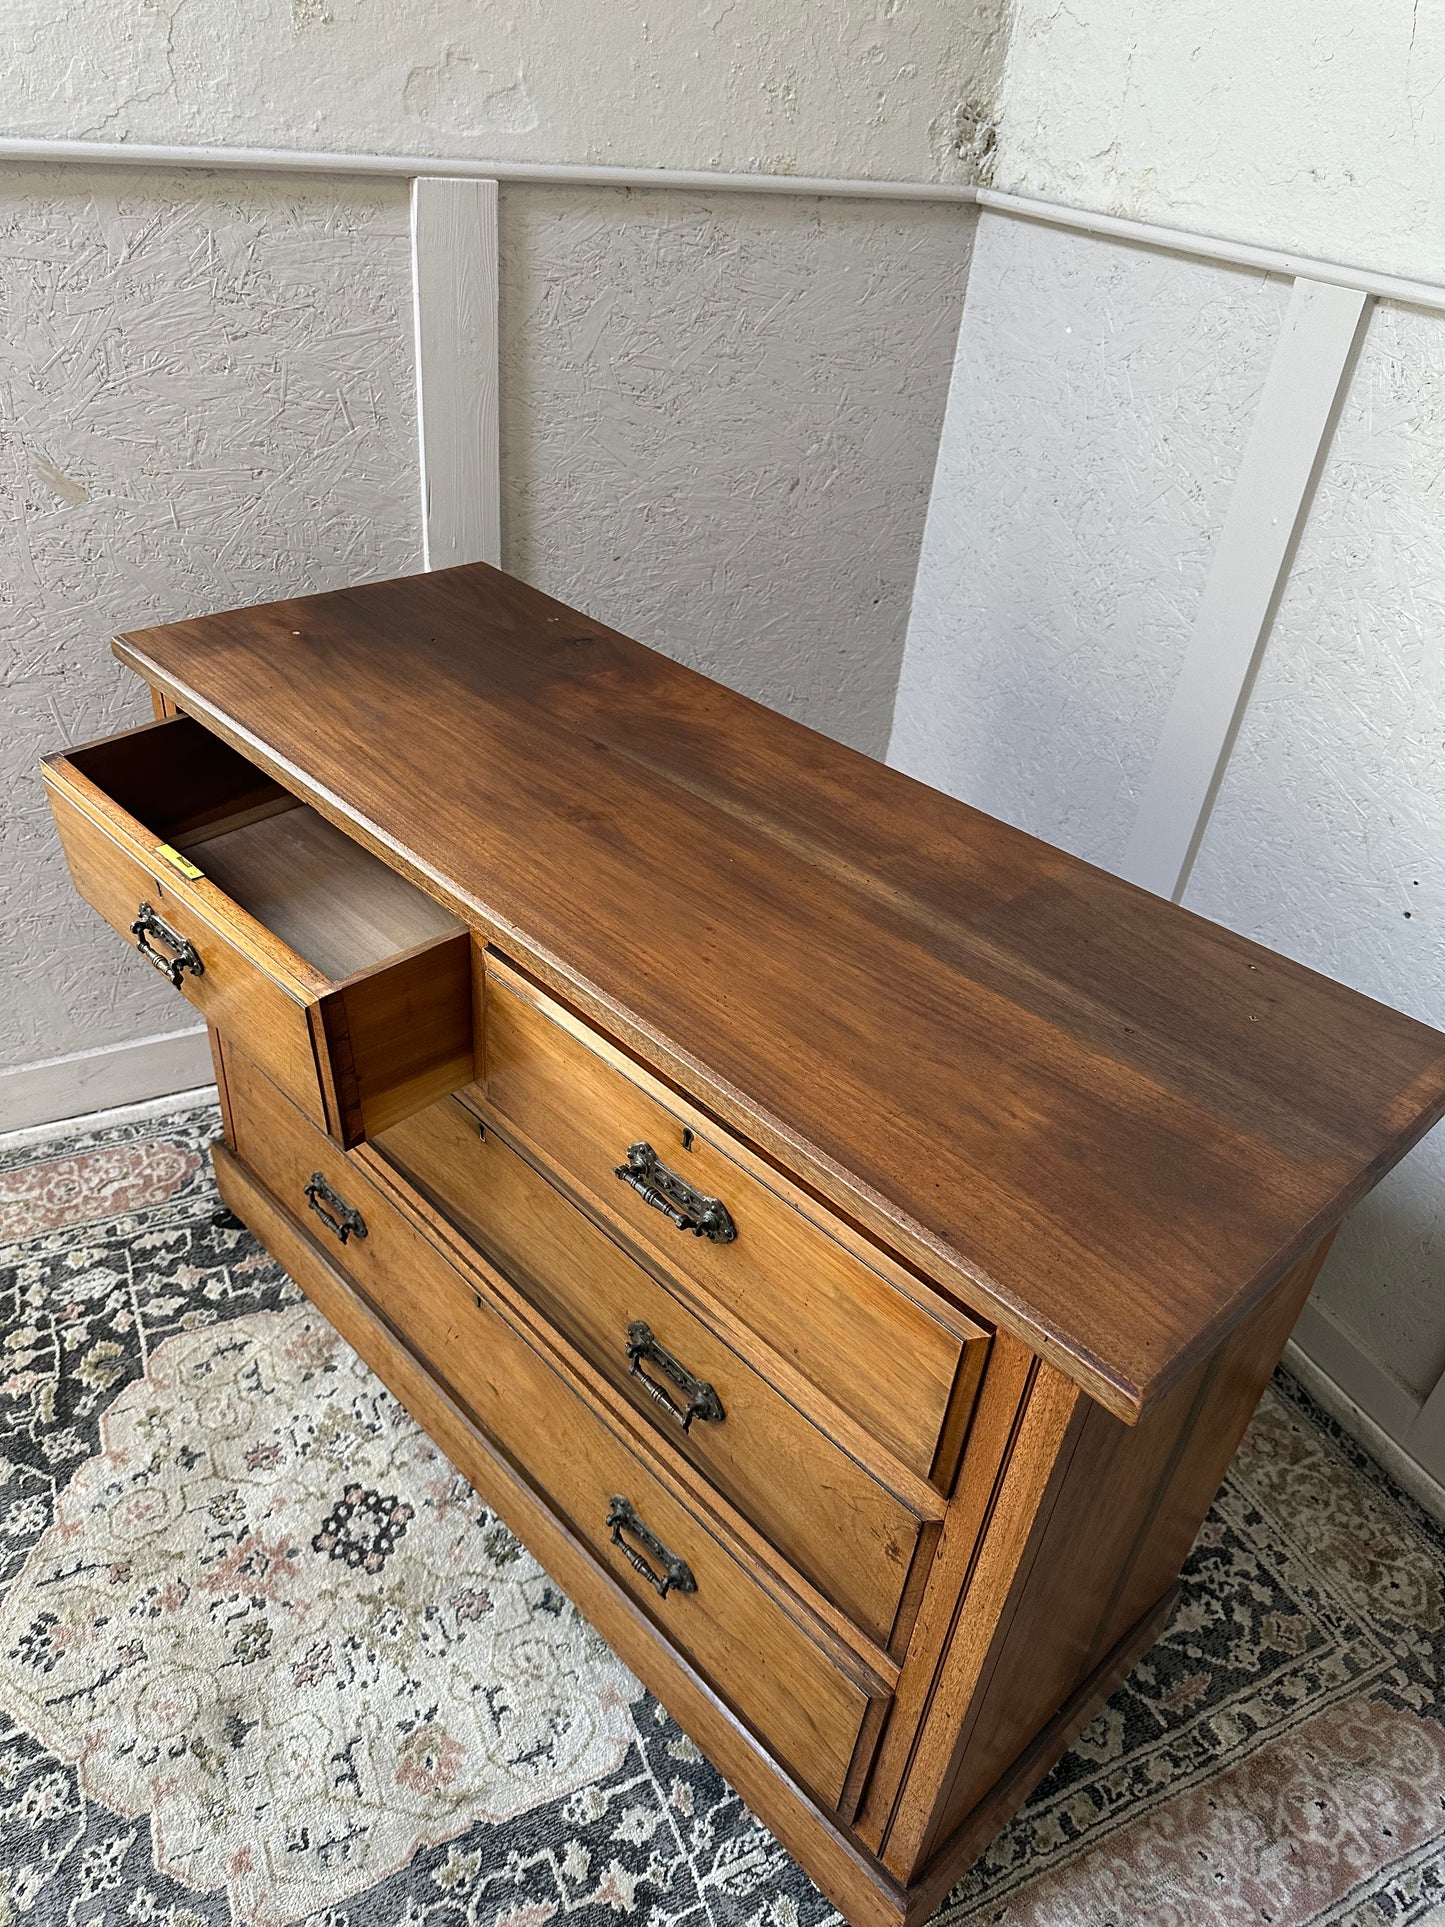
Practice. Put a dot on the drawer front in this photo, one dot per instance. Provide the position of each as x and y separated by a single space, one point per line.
232 991
806 1697
904 1374
355 1053
840 1526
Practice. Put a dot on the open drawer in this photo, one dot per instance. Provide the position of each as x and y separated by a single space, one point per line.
346 983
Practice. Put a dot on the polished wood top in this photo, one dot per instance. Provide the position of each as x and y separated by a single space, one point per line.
1098 1119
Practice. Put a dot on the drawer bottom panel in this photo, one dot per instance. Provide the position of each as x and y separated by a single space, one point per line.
801 1693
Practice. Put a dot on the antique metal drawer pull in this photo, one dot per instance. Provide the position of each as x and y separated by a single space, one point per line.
149 926
702 1401
689 1209
342 1218
676 1574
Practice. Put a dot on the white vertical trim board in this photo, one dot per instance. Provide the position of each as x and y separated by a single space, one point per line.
1288 441
100 1080
454 290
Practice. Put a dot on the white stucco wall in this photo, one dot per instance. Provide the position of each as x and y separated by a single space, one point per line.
1100 403
1100 399
1080 496
898 89
1328 838
1316 125
1318 128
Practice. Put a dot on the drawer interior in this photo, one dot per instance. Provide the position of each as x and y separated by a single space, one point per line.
322 894
328 899
352 987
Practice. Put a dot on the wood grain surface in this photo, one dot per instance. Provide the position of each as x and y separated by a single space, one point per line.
840 1322
1104 1122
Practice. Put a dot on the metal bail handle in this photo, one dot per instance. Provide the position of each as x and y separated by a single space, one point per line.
676 1574
671 1194
334 1212
702 1401
184 955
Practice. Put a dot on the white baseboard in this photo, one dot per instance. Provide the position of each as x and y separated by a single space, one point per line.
104 1079
173 1105
1404 1469
1335 1350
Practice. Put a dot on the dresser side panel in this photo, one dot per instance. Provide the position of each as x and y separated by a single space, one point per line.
1242 1369
1128 1511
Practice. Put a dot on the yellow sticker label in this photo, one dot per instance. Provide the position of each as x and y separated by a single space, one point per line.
178 862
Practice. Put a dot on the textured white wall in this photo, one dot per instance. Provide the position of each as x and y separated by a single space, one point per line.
719 418
1101 397
1328 839
719 421
890 88
1317 125
206 399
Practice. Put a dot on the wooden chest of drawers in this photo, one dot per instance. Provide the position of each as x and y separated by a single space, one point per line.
845 1238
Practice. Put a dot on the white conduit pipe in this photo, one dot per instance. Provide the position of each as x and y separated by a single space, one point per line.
283 160
1212 247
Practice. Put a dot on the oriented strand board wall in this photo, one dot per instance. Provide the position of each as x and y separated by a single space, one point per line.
720 416
207 401
719 421
1101 396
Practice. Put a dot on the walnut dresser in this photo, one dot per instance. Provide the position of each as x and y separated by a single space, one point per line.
843 1236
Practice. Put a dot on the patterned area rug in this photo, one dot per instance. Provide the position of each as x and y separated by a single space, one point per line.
266 1659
